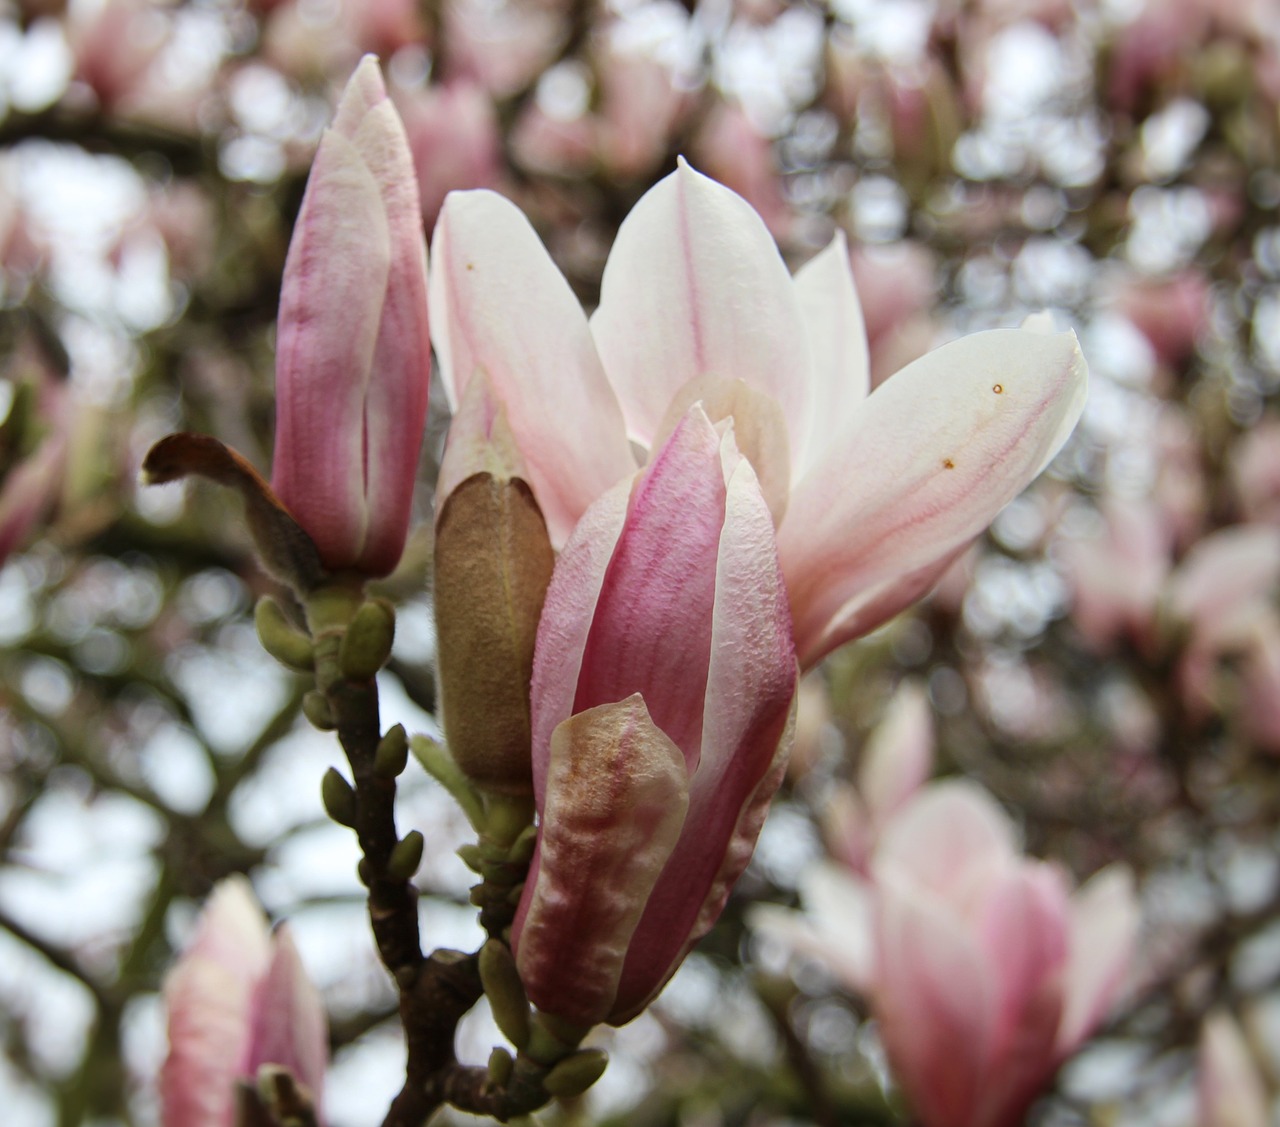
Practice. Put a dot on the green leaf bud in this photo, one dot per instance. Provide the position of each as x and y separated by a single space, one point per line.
367 642
393 753
281 638
576 1073
505 991
339 798
405 857
317 709
500 1066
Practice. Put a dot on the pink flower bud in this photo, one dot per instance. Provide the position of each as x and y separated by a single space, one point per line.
663 687
353 361
238 999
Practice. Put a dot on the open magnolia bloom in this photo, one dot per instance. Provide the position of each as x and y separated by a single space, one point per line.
872 496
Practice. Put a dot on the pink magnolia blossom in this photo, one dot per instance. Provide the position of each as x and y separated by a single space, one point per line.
987 972
1229 1087
114 44
662 696
353 360
238 999
453 134
736 153
872 495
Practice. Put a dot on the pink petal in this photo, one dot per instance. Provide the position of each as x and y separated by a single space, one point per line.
949 836
652 631
567 615
289 1027
924 465
1104 927
353 358
479 441
28 490
746 737
936 1000
208 994
616 795
1229 1088
499 304
898 757
838 337
695 285
1024 933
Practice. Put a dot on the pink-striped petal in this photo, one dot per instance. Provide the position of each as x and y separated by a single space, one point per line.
951 833
661 586
1104 928
936 999
616 796
838 339
925 464
694 285
289 1027
499 304
567 615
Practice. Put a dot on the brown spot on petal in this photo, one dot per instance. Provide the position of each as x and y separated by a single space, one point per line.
948 464
998 389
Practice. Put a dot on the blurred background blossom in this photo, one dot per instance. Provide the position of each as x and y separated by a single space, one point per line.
1104 664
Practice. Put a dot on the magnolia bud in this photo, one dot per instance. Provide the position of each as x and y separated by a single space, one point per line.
505 993
392 755
493 561
576 1073
339 798
367 643
281 638
405 857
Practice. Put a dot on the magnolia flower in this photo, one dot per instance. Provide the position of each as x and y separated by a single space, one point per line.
662 692
872 496
1229 1087
238 999
987 972
983 971
352 360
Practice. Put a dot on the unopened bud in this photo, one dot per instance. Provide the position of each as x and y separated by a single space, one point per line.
471 856
405 857
500 1065
493 561
339 798
521 852
367 642
317 709
280 638
505 992
392 754
576 1073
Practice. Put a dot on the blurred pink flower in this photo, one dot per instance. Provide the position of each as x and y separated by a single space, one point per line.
735 153
640 108
28 490
453 135
1172 313
1229 1087
662 696
1223 587
502 45
987 972
238 998
1255 471
1116 580
873 496
114 45
898 287
1260 685
353 360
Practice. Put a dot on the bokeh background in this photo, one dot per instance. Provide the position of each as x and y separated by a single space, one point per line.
1106 661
